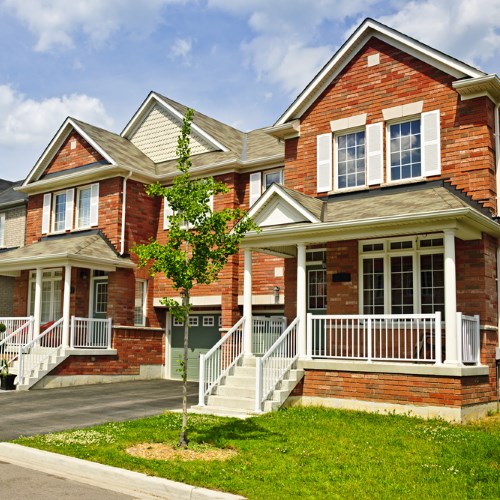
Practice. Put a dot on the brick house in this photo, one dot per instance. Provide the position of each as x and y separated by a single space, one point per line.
372 283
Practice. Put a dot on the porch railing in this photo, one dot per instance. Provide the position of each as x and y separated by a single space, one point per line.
217 362
275 364
411 338
265 332
469 333
19 332
39 351
90 333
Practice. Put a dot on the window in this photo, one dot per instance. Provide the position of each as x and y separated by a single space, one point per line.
51 295
274 176
317 289
2 230
405 150
59 212
208 321
176 322
402 276
83 207
193 320
140 303
350 160
58 209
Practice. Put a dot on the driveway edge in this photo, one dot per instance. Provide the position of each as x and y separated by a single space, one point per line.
105 476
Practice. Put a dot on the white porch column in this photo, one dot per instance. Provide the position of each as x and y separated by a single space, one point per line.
450 299
38 301
301 299
66 300
247 303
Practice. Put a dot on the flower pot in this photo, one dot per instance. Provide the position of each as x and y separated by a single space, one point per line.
7 382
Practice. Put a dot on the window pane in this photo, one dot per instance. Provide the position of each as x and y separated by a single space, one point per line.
351 160
60 212
405 150
317 289
271 177
84 208
140 291
402 284
373 286
432 283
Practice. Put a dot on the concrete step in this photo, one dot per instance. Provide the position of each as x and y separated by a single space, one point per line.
238 381
221 412
244 371
231 402
235 391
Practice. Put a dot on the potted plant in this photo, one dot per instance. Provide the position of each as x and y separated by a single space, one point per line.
6 378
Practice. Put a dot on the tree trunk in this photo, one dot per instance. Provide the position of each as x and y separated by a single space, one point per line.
183 437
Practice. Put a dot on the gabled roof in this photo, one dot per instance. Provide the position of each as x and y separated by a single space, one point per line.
368 29
113 148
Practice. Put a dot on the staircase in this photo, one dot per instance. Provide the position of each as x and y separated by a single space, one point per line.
38 371
235 396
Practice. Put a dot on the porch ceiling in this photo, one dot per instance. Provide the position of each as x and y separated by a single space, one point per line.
89 250
426 208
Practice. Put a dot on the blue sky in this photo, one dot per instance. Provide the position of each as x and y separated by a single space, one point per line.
240 61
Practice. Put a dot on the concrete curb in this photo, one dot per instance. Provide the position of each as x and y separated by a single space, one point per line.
105 476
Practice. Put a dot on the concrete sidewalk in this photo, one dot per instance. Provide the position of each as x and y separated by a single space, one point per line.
100 477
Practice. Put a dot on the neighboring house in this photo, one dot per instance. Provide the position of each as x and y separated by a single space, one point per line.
12 234
376 195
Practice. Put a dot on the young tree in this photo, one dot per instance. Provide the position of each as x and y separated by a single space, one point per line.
200 241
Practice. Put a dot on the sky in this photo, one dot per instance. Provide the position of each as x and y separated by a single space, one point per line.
240 61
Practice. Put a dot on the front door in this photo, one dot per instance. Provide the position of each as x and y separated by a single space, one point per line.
100 298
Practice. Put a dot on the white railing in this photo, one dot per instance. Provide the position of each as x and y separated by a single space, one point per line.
90 333
19 332
217 362
469 338
411 337
265 332
275 364
39 350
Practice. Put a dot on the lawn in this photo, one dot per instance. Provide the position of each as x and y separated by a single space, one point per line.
307 453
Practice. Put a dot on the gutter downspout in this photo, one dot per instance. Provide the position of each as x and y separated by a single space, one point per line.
124 204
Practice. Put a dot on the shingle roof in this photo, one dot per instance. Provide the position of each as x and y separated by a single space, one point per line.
89 246
123 152
10 197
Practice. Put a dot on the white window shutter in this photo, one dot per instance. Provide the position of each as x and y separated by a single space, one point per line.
255 187
94 204
70 203
324 171
431 143
167 212
374 153
47 199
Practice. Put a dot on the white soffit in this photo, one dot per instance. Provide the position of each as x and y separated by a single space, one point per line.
368 29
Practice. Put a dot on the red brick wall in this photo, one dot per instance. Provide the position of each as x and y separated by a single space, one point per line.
67 158
466 127
342 257
135 348
396 388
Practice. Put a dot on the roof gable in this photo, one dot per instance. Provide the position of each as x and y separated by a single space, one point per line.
368 29
277 206
155 127
69 128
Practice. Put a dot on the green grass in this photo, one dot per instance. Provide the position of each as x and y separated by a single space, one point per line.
308 453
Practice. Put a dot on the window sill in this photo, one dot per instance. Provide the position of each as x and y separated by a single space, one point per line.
412 180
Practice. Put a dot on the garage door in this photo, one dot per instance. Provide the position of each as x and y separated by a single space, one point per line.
203 335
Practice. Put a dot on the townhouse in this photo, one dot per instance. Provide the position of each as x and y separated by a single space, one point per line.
371 285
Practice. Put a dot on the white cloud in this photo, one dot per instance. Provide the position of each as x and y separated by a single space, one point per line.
181 48
56 23
287 48
27 122
466 29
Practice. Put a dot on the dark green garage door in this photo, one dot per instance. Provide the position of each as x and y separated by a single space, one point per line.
203 335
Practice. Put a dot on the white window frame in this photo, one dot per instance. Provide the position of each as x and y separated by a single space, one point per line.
336 136
388 126
208 321
48 275
271 172
386 253
193 321
54 203
77 207
176 322
144 284
2 229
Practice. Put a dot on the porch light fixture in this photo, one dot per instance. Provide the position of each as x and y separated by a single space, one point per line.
276 294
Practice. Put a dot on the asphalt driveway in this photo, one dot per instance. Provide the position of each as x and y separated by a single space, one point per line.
47 410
